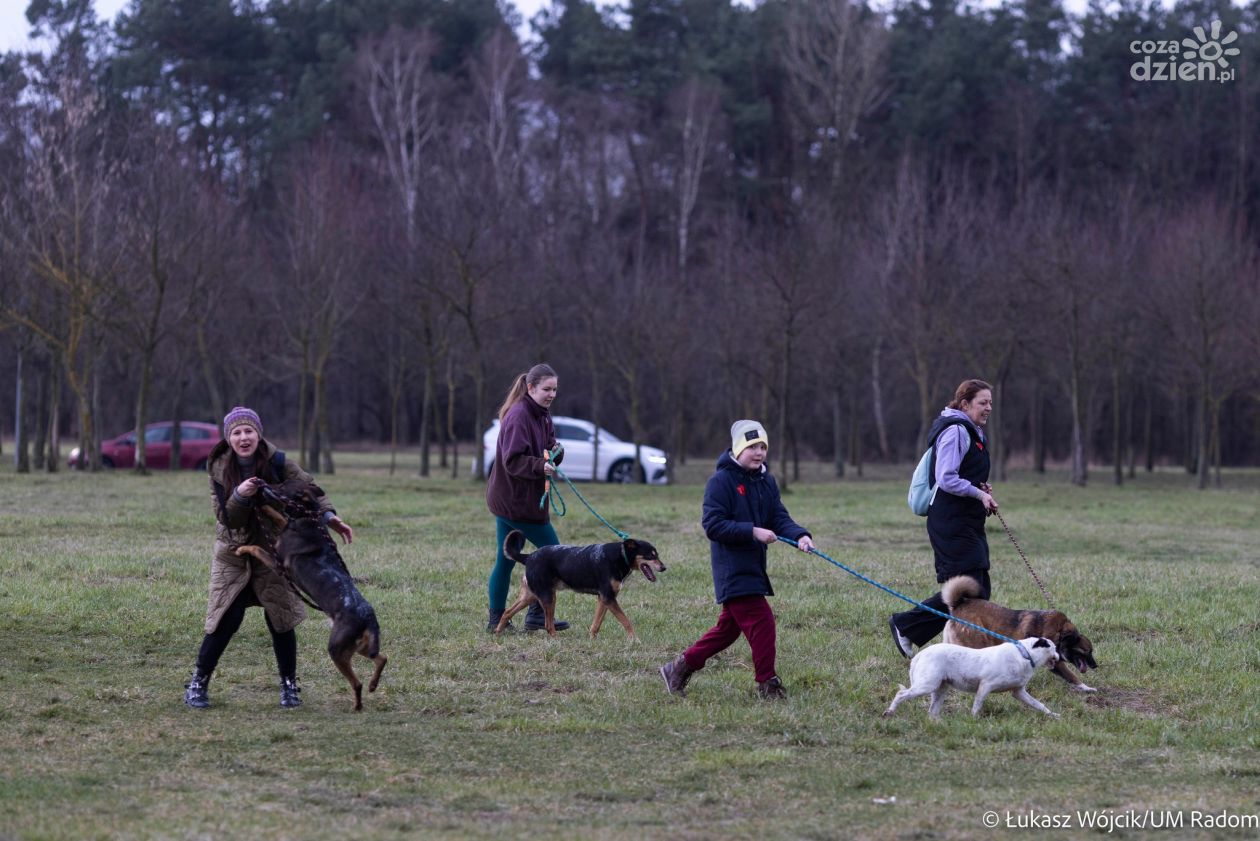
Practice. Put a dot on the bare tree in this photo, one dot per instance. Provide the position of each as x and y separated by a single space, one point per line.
696 108
319 258
402 92
1204 269
63 224
161 223
834 53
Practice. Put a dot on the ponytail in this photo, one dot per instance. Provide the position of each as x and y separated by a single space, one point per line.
515 393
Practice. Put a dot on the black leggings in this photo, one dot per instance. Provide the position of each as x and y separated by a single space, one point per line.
919 626
213 645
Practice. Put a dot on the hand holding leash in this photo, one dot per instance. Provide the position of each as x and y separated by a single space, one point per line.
249 487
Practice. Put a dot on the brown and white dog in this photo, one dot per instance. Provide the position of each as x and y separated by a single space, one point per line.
961 592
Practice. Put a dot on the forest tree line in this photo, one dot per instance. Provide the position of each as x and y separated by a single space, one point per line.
364 217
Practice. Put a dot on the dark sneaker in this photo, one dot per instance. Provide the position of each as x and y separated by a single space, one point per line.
492 623
772 689
676 674
904 647
536 620
196 691
289 692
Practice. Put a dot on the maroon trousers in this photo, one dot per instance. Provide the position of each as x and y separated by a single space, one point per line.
749 615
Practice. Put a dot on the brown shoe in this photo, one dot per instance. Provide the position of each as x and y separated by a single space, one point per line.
676 674
772 689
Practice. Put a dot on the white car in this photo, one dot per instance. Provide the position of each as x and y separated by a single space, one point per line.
616 457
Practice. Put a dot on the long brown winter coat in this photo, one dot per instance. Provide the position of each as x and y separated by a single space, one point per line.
237 525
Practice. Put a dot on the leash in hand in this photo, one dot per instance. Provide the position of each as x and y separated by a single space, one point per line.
1031 571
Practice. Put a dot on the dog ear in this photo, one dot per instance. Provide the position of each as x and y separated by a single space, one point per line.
316 490
631 547
1069 639
1042 642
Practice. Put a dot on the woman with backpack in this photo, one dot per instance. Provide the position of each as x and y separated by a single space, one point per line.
962 500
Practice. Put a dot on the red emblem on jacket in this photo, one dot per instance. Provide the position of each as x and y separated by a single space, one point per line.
740 488
980 445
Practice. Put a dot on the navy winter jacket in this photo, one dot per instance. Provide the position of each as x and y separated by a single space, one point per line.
735 500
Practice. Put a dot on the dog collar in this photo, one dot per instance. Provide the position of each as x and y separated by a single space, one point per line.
1020 646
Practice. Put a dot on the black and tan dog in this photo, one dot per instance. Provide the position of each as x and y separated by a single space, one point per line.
960 594
597 570
307 556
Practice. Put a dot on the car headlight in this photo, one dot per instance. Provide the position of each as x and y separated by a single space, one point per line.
657 459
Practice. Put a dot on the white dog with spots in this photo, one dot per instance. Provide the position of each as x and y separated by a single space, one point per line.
1000 668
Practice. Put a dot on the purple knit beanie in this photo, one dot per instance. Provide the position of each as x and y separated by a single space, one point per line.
238 416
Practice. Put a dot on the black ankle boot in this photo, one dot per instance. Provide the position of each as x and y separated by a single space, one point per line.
289 692
492 622
196 691
536 619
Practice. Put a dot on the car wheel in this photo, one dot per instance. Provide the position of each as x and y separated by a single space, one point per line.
622 472
107 462
200 466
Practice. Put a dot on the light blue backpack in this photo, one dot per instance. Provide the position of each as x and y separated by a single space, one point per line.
923 482
922 490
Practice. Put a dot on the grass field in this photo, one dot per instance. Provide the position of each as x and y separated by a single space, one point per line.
103 595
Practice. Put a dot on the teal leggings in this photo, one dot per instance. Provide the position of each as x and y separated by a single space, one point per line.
539 534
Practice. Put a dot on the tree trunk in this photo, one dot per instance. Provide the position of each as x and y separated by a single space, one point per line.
177 431
218 405
426 411
877 404
1216 442
855 439
1080 474
1037 430
325 431
837 433
1147 437
141 467
449 437
52 459
1117 427
785 378
43 393
1202 451
21 460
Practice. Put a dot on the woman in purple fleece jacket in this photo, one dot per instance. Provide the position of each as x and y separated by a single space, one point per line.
960 504
518 479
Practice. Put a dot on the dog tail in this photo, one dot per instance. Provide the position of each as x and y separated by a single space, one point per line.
513 544
958 589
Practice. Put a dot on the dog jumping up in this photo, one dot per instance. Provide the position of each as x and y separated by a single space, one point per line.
1001 668
597 570
307 556
961 593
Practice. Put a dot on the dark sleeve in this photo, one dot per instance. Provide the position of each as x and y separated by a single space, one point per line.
235 509
717 519
520 457
783 524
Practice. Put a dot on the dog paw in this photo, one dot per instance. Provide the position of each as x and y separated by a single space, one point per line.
1081 687
888 713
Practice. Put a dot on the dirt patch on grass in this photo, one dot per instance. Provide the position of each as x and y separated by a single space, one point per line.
1139 701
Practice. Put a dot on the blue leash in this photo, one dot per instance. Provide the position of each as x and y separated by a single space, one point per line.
893 592
558 505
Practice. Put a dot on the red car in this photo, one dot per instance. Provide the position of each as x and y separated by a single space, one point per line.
196 441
